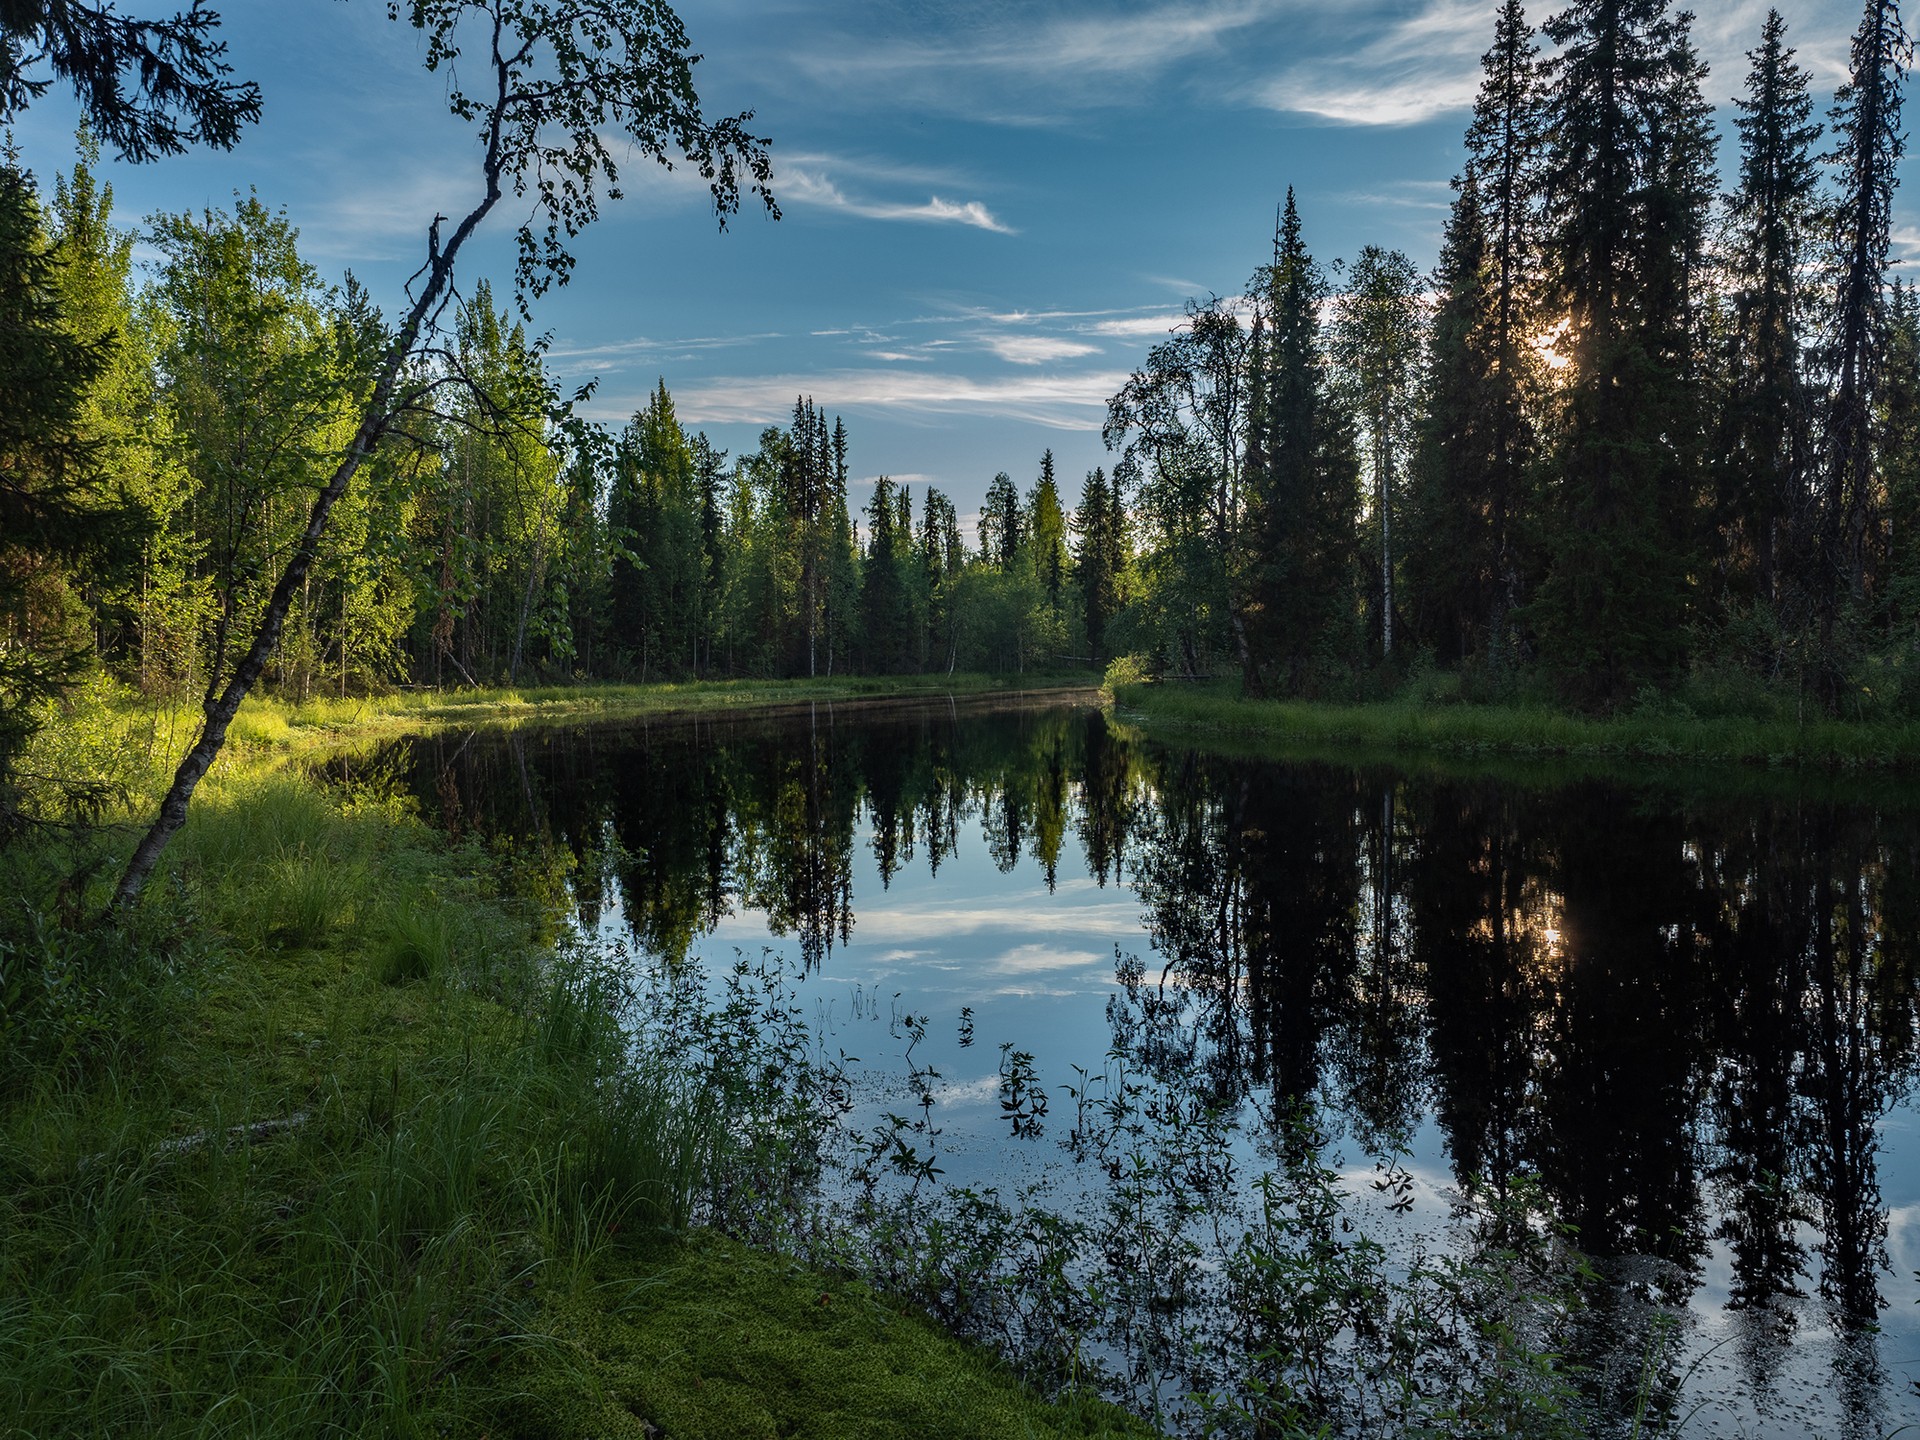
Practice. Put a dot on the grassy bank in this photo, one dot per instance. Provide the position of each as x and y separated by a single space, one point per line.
273 721
1657 732
332 1141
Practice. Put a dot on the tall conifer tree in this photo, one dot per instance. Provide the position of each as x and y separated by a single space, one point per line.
1869 145
1468 505
1047 533
1306 490
1627 173
1000 523
54 508
1464 481
1765 426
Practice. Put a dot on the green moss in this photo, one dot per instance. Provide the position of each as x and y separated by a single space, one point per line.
718 1342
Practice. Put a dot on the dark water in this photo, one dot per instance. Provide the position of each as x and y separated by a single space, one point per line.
1686 1003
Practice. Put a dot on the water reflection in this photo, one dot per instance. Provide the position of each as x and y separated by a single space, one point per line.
1688 1018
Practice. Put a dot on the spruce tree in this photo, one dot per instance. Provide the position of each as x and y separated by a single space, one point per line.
841 596
1898 426
1001 534
1099 561
1377 338
884 616
710 478
1845 551
942 557
660 584
1046 527
1772 219
1305 493
1471 448
1480 442
1627 175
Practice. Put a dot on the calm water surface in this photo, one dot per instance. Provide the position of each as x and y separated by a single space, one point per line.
1687 1003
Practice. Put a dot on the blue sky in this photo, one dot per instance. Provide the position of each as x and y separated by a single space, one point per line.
993 208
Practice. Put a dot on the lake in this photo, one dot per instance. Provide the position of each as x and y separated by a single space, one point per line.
1679 1006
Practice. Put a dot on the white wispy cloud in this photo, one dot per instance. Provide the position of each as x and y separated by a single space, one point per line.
1026 919
799 185
1415 67
615 353
1096 44
1819 32
383 217
1036 349
986 59
1071 401
1035 958
1434 195
1132 326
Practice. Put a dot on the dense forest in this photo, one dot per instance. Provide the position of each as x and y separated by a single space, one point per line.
1656 413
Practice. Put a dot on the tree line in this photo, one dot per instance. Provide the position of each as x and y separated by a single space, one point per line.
1630 428
497 540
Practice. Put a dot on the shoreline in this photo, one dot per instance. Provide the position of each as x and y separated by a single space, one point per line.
1658 740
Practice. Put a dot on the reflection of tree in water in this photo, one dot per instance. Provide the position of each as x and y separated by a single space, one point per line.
1645 1004
1111 791
802 873
1622 1054
1251 875
1479 913
1630 1001
682 822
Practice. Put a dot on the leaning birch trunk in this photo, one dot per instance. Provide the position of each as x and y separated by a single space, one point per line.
375 418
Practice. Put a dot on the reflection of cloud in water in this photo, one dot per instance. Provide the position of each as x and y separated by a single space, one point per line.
971 1094
1026 959
934 921
917 930
1903 1238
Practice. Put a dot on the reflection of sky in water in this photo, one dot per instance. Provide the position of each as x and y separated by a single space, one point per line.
1037 970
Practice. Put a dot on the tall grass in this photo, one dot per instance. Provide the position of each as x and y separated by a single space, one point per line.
296 1200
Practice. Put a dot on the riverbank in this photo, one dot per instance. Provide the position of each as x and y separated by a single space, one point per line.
1659 733
334 1139
274 722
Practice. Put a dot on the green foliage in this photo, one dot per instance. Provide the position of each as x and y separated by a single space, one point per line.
806 1355
62 520
1375 345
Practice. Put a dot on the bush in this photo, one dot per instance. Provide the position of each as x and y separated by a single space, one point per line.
1125 670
